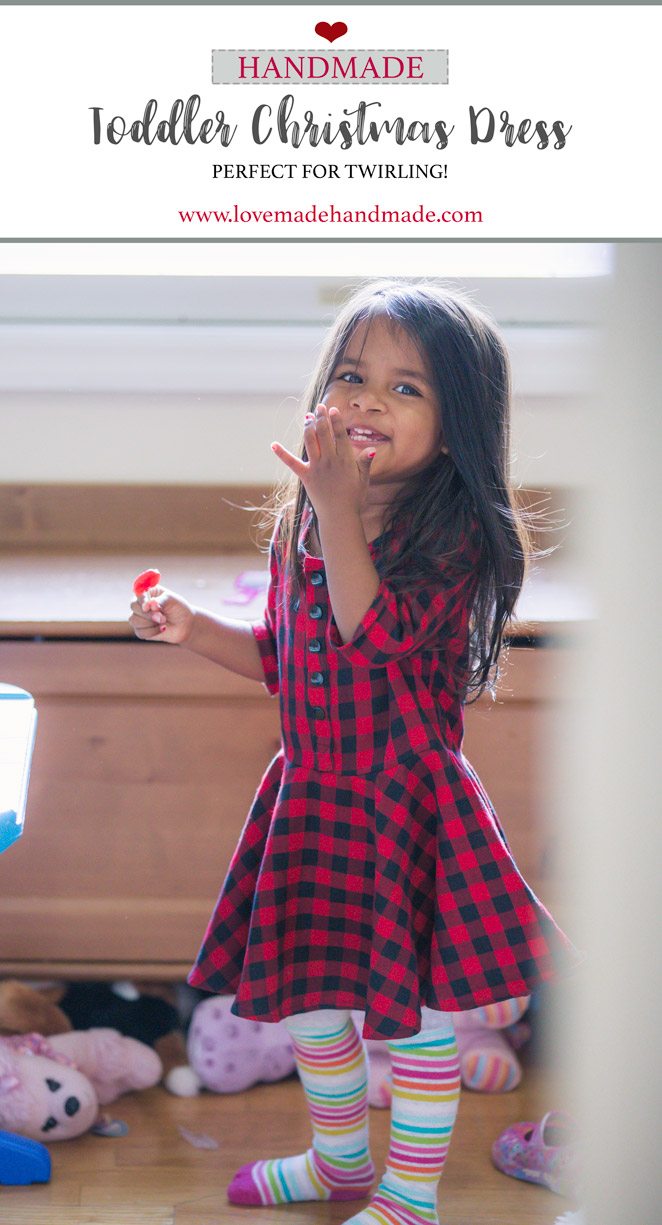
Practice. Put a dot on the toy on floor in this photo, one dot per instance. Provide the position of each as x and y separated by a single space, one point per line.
228 1053
545 1153
146 1012
23 1009
22 1161
487 1039
51 1088
146 1015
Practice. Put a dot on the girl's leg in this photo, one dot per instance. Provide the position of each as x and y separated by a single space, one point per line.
426 1092
332 1066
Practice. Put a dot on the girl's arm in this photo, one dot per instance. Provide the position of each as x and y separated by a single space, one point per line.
246 647
337 484
225 641
351 576
167 617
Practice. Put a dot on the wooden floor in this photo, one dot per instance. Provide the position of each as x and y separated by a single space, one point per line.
153 1176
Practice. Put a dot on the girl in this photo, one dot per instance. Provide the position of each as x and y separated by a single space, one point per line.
372 872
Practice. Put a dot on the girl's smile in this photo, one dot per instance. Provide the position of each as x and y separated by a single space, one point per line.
383 392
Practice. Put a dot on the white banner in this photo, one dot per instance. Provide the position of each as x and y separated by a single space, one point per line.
428 122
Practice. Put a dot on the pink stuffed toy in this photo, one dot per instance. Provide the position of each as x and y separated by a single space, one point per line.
487 1039
51 1089
229 1054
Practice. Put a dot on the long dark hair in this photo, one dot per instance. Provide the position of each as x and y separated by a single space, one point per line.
465 495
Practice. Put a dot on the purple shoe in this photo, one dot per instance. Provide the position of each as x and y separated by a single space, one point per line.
543 1152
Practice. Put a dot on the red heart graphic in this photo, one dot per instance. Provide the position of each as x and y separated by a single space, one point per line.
331 33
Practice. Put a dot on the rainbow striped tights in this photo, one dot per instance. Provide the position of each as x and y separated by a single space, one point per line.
333 1070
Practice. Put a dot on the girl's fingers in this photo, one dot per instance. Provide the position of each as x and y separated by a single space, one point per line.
153 621
297 465
147 612
147 632
138 609
150 608
144 626
343 445
150 603
310 437
325 438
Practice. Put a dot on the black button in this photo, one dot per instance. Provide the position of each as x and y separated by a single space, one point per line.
317 578
315 645
318 712
316 678
315 611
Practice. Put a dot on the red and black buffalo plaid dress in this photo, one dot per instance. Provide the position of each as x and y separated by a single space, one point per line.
372 871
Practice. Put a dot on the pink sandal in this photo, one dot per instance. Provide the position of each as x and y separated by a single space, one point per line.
543 1152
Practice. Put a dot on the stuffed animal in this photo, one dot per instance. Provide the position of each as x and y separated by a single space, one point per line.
146 1012
487 1039
23 1010
228 1053
142 1013
51 1088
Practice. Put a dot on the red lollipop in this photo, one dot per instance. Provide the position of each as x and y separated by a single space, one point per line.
148 578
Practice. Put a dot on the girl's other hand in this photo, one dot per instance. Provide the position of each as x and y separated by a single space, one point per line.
162 616
333 477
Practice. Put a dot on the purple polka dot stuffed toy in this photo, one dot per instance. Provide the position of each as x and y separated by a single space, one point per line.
229 1054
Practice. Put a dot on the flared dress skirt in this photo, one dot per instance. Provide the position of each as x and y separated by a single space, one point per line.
372 872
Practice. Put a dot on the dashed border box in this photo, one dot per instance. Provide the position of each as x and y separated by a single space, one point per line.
225 66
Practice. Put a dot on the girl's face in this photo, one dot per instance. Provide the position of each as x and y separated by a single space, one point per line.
383 392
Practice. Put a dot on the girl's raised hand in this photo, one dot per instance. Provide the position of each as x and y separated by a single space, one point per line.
333 477
161 616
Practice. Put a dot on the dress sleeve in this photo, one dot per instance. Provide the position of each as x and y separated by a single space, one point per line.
434 617
265 631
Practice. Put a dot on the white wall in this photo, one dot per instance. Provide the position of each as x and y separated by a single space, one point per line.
163 438
188 379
